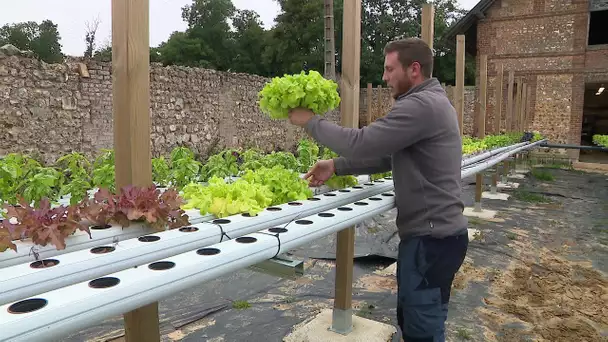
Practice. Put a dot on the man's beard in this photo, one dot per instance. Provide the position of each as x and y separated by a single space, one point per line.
402 88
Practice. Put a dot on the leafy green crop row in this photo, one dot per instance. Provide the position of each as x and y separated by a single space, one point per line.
601 140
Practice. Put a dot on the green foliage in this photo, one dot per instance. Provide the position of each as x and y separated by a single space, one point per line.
310 91
285 185
308 154
42 39
185 168
104 173
377 176
161 173
601 140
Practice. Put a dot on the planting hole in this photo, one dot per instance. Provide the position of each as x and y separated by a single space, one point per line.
369 184
274 209
314 199
221 221
344 190
326 215
388 194
249 215
277 230
345 209
188 229
208 251
161 265
98 227
379 181
361 203
44 263
357 187
389 178
304 222
246 239
329 194
102 250
148 238
294 203
28 305
375 199
104 283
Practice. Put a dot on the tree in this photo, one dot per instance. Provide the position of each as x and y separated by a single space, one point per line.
42 39
250 40
89 37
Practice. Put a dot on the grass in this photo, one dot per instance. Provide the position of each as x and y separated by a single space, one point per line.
366 310
542 175
240 304
511 236
530 197
463 334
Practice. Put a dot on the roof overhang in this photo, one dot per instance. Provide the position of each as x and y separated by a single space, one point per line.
468 27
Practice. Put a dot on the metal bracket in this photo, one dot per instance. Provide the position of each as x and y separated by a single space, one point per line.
280 266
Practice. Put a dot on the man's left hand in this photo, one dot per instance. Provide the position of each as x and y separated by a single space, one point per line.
300 116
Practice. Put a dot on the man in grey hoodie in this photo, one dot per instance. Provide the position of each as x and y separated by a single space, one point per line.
419 140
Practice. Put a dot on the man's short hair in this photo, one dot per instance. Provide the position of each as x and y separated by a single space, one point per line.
410 50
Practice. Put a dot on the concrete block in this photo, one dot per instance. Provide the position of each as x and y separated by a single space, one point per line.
509 185
364 330
483 214
497 196
517 176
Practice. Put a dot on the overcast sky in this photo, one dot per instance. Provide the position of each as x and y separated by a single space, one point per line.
71 17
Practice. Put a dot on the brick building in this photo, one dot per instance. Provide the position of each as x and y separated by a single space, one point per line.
559 48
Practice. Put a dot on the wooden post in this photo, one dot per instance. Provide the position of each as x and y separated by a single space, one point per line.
528 108
509 114
499 92
131 116
349 110
481 119
369 103
428 24
517 109
522 110
459 97
379 97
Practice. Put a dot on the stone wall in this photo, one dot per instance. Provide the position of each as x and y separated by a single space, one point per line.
545 43
52 109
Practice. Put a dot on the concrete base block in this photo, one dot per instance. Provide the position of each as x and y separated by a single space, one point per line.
472 233
518 176
509 185
483 214
496 196
522 171
364 330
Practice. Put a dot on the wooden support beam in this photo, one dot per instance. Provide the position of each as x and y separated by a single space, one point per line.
517 108
481 123
369 103
459 96
131 117
349 110
528 114
428 24
499 93
509 118
522 110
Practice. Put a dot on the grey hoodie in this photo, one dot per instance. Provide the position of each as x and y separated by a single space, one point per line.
419 140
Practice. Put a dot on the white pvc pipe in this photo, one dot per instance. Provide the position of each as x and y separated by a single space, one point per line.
497 159
81 305
490 153
23 280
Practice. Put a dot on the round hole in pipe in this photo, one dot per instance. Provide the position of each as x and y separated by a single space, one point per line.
326 215
278 230
161 265
294 203
221 221
104 283
44 263
388 194
148 238
357 187
101 227
361 203
344 190
246 239
274 209
389 177
28 305
379 181
375 199
208 251
329 194
345 208
102 250
248 215
369 184
304 222
314 199
189 229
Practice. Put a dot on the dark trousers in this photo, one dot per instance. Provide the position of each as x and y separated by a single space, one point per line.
425 270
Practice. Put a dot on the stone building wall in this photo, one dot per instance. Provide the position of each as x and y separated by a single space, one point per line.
545 43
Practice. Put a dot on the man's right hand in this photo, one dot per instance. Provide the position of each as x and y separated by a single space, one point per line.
320 172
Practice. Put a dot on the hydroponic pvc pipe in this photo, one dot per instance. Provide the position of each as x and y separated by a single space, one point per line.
497 159
488 154
24 280
54 314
